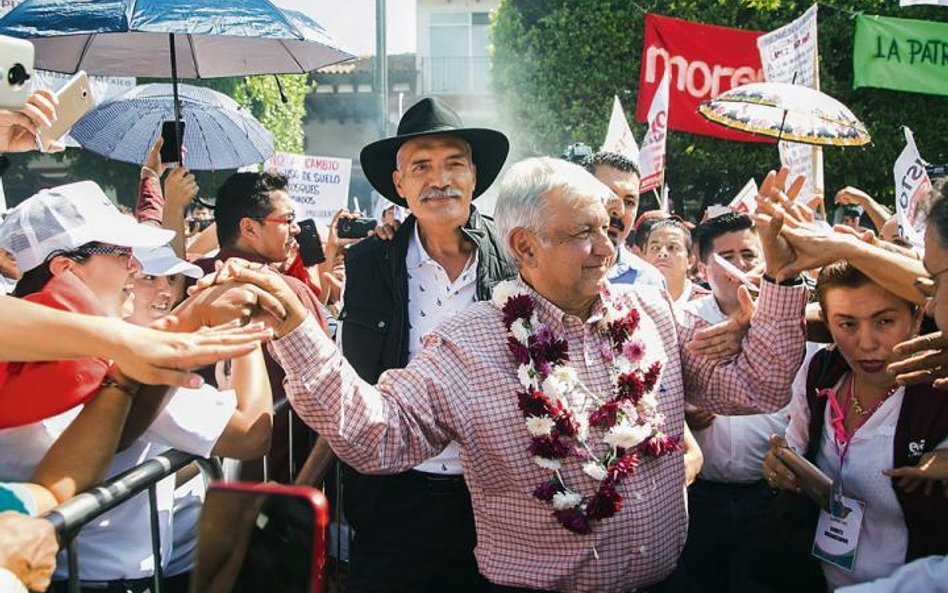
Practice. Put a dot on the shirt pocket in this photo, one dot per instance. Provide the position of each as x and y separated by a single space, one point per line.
365 333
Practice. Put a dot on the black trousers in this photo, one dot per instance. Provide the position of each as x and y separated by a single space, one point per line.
420 538
725 522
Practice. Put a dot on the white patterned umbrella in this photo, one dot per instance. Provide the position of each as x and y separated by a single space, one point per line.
218 133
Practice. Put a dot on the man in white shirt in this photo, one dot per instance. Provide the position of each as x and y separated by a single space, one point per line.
621 175
729 501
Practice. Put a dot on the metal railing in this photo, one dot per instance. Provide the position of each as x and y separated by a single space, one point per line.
455 76
69 517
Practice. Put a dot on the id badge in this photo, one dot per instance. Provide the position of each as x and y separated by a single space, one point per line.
837 537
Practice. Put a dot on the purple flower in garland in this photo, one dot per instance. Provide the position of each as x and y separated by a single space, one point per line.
634 350
517 307
546 349
520 352
660 444
550 447
574 520
533 403
545 490
606 502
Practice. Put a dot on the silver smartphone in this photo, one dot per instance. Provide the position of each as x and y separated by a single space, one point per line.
75 99
16 71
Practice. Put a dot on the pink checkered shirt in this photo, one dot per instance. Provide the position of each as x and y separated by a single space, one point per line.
462 387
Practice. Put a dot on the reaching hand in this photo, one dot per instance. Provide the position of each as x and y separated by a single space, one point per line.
723 340
922 360
852 196
931 469
698 419
164 358
28 549
776 473
180 190
18 128
153 160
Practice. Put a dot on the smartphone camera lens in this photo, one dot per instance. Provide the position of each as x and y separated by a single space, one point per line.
84 94
17 75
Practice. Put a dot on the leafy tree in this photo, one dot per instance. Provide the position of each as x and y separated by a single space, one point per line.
557 64
260 94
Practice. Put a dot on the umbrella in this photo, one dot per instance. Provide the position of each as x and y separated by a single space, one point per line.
218 133
786 112
203 38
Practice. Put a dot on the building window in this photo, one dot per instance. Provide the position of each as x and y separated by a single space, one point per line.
458 61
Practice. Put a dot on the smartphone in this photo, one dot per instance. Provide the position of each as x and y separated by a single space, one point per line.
261 537
171 147
355 228
733 271
75 99
16 70
811 479
311 246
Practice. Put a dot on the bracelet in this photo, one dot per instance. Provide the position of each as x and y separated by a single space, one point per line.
151 172
792 282
129 388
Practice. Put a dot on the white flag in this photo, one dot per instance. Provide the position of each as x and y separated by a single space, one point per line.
745 201
913 191
652 155
619 138
789 54
917 2
664 204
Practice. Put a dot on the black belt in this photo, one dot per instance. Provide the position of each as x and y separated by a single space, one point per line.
117 586
439 483
732 487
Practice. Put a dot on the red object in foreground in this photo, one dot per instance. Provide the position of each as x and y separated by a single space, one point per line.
705 61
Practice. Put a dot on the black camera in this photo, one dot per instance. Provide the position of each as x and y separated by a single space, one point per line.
577 153
16 69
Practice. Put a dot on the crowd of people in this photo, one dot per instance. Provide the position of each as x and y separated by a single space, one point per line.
566 396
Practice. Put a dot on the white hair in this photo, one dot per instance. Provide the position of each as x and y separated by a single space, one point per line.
521 200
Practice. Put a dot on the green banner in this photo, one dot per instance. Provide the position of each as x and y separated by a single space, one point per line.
901 54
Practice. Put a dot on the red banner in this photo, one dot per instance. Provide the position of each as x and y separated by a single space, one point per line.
705 61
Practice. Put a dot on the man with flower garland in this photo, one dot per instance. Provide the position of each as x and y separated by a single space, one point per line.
565 393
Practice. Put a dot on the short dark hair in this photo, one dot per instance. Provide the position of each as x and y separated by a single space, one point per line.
244 195
850 213
35 280
709 230
669 223
842 274
938 213
610 159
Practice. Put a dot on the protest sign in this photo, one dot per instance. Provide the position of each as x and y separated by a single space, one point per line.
705 61
912 192
652 154
319 186
789 54
900 54
745 201
619 138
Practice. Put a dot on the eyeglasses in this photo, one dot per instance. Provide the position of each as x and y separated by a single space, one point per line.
288 218
124 252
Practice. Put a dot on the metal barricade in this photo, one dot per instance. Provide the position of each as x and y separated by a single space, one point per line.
69 517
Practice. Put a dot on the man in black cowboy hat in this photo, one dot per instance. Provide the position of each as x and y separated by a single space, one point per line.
415 530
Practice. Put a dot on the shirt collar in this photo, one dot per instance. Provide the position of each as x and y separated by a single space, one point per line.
547 310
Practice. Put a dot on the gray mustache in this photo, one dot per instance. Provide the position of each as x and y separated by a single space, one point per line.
433 192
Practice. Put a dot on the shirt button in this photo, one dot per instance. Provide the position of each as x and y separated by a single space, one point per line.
381 324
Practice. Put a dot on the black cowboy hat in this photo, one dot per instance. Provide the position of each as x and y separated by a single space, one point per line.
430 117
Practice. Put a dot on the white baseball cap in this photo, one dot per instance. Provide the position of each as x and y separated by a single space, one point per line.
162 261
66 217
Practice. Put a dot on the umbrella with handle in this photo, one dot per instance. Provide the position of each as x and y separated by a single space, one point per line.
786 112
218 132
171 38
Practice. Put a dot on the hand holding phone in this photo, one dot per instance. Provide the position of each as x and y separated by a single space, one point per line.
75 98
172 139
355 228
311 245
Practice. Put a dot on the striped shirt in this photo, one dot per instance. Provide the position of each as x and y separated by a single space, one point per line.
462 386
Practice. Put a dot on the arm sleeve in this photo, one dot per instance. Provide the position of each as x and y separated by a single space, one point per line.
929 574
409 417
193 420
151 202
759 378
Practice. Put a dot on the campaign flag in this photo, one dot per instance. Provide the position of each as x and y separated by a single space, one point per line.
745 201
705 61
920 2
319 185
789 54
912 192
619 138
900 54
652 154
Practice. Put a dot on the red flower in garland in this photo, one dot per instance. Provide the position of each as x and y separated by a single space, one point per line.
660 444
517 307
533 403
550 447
546 349
606 503
622 329
605 416
520 352
623 466
631 387
651 375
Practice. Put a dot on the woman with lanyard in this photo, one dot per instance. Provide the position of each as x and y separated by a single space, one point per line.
851 419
